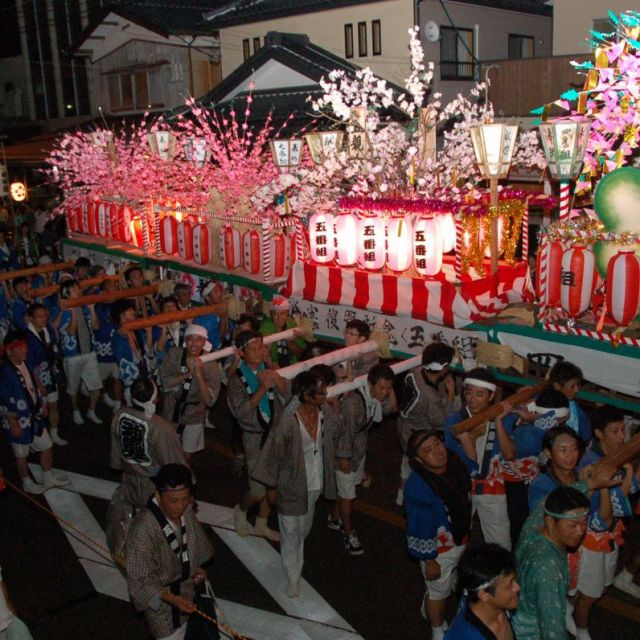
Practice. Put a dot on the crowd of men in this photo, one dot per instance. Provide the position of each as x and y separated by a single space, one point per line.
551 511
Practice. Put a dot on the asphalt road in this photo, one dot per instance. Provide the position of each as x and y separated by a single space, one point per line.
378 594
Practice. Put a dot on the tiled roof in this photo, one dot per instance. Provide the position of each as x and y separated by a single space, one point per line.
247 11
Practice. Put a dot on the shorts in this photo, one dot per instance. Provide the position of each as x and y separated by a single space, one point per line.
596 571
40 443
178 634
251 444
52 397
347 482
193 438
107 370
83 367
441 588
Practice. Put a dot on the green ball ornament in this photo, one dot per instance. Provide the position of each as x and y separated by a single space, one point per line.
617 203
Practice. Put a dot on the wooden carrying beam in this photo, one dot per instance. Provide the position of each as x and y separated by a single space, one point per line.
626 453
110 296
50 289
173 316
32 271
520 396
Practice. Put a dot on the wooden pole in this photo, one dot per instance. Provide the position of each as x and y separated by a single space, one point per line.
110 296
43 292
32 271
520 396
173 316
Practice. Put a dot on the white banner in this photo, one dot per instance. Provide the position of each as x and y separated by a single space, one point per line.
406 335
620 373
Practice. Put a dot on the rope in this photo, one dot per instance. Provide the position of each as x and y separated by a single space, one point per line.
106 553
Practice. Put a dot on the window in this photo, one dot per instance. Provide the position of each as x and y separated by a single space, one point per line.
256 45
376 38
456 54
246 48
362 39
348 41
135 91
521 46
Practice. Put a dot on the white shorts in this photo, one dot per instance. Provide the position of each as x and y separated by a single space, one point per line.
108 369
83 367
178 634
54 396
193 438
347 482
596 571
40 443
441 588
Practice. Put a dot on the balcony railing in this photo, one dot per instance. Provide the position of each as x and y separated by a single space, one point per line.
455 70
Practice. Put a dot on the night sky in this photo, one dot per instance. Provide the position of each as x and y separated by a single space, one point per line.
9 38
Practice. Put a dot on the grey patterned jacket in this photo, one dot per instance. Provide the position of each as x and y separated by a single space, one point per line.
281 463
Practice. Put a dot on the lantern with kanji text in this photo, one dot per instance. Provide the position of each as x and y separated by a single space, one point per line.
321 237
577 280
427 246
399 243
371 242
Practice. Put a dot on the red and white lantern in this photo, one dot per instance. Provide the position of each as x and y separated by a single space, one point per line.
74 217
230 247
623 287
447 231
577 280
103 219
114 228
169 235
124 224
252 254
322 238
371 243
201 244
346 236
278 255
548 268
136 228
399 243
427 246
185 240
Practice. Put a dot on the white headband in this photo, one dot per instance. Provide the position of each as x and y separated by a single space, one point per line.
560 412
435 366
209 288
476 382
201 332
149 406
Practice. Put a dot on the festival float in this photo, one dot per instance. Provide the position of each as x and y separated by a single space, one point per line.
369 218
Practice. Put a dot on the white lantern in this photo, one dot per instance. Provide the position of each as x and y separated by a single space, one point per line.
286 153
197 152
371 244
323 144
346 236
564 143
447 231
493 144
321 237
399 243
163 144
427 247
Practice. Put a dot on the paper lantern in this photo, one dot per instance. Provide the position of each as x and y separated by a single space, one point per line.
399 243
493 145
125 215
321 238
623 287
201 244
163 144
447 231
278 252
371 243
230 250
83 221
548 268
169 235
74 216
92 219
346 235
427 246
564 143
286 153
197 152
136 230
185 240
323 144
577 280
18 191
103 219
252 254
114 228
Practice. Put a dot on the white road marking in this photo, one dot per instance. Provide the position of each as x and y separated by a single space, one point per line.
313 617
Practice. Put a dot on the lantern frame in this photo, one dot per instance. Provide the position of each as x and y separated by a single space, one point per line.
493 145
564 143
286 153
164 149
323 144
197 152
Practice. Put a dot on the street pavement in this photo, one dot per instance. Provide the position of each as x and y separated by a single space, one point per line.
59 584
